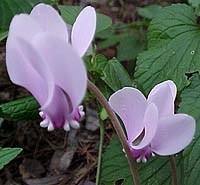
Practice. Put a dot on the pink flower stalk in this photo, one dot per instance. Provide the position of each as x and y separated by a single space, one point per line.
151 125
40 58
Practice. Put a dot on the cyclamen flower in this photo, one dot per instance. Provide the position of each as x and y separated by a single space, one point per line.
151 125
40 58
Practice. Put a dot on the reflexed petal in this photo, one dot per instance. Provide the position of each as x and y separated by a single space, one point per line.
24 25
21 71
66 67
49 20
173 134
130 104
83 30
150 122
57 108
163 96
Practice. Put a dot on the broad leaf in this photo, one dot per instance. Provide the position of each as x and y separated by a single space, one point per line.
190 104
173 42
8 154
157 171
69 14
18 110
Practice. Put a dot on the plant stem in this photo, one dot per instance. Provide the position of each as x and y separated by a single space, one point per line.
116 124
100 153
173 170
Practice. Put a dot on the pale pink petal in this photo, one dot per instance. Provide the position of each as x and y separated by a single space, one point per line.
173 134
150 122
49 20
83 30
35 59
21 71
66 67
130 104
23 25
163 96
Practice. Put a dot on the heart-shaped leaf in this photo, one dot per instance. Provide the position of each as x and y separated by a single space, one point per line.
174 48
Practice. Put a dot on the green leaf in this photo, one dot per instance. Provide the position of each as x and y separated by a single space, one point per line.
108 75
9 8
111 39
98 64
174 48
8 154
115 76
150 11
3 34
190 104
20 110
194 3
129 47
115 166
69 14
103 114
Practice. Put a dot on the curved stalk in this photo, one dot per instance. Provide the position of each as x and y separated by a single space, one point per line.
116 124
100 153
173 170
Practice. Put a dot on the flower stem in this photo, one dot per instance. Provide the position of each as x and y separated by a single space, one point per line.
173 170
116 124
100 152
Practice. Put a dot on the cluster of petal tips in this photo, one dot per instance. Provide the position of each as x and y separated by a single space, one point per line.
151 125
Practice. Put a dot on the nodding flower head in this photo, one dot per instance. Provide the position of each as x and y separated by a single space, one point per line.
151 125
40 58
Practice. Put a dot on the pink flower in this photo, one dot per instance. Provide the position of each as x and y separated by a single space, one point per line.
40 58
151 125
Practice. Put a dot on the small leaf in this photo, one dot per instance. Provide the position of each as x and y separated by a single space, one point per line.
150 11
18 110
173 42
69 14
103 114
194 3
115 76
8 154
99 62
